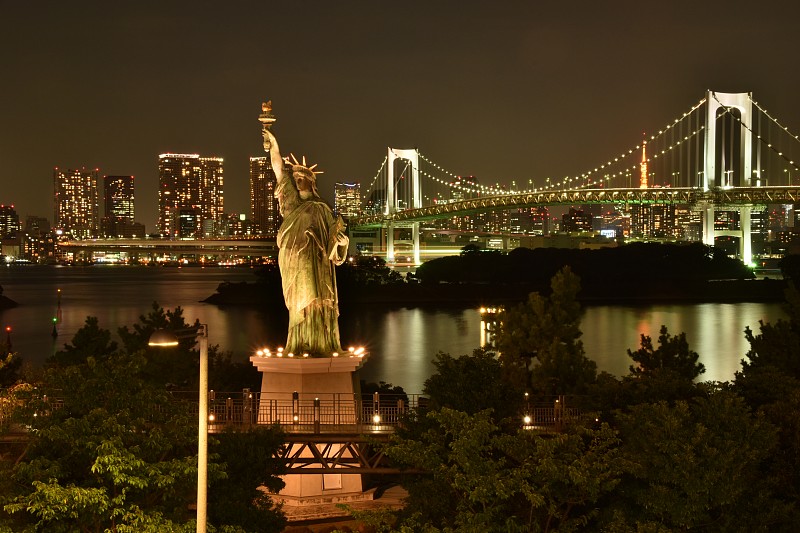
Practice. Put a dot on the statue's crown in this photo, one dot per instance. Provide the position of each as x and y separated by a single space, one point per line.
303 167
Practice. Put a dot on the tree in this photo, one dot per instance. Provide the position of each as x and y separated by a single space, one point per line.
790 267
251 467
776 346
115 453
10 366
770 383
481 479
539 341
470 248
89 341
771 368
227 375
472 383
782 472
696 464
112 450
175 367
672 355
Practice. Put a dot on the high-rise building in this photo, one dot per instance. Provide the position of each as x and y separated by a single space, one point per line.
529 221
212 194
347 199
726 220
264 209
189 182
76 211
118 197
178 186
464 188
664 217
540 221
520 221
614 223
576 221
36 225
117 206
9 221
187 222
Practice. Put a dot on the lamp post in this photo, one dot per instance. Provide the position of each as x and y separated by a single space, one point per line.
166 338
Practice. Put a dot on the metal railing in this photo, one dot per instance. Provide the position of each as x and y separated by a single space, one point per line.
308 412
332 413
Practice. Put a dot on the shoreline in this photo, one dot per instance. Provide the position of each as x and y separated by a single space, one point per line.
445 294
7 303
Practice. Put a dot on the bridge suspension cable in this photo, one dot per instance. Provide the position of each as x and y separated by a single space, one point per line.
371 189
768 142
585 179
675 157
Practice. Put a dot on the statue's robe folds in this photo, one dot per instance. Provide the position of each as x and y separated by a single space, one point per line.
308 253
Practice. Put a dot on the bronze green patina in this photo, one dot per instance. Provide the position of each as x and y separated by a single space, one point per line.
311 241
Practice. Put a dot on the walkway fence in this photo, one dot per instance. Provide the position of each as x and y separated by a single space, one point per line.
342 413
312 413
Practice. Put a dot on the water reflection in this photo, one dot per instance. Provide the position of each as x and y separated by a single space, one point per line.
488 325
409 340
402 342
714 331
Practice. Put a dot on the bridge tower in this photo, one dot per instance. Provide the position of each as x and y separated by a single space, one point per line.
720 178
411 155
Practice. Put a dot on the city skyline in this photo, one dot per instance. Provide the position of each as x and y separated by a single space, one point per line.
514 92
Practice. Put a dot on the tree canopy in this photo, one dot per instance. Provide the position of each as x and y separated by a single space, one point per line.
111 449
672 355
539 341
665 453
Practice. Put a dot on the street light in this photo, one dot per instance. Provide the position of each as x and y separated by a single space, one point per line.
164 338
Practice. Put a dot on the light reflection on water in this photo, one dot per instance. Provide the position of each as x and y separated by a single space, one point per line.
402 342
714 331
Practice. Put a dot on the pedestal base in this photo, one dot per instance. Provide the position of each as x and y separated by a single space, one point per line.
303 509
306 376
311 386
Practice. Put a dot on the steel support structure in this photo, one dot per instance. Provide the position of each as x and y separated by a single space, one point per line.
714 179
411 155
336 454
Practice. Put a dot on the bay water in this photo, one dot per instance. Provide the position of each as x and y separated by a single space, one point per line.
402 342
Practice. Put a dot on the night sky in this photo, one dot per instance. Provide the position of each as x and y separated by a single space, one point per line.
497 89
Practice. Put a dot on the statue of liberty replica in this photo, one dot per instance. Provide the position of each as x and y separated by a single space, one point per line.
311 242
314 377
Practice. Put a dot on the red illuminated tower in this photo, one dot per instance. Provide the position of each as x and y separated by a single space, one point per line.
643 166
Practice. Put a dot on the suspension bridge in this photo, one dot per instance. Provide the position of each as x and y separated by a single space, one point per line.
724 155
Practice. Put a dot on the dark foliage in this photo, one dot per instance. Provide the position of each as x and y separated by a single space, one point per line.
89 341
385 390
539 341
250 463
672 355
633 263
113 448
10 367
226 375
472 383
790 267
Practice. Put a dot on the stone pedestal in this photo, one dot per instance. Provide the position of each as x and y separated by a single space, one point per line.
316 396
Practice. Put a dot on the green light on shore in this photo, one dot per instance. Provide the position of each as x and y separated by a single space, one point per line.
55 320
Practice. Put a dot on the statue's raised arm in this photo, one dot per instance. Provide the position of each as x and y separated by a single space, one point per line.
267 119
